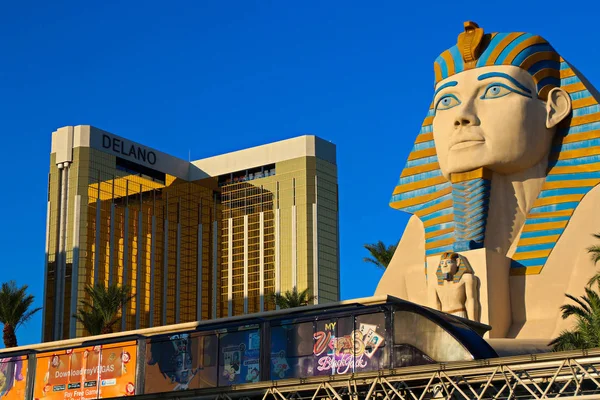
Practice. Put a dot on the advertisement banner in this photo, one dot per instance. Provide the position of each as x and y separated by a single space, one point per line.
292 351
86 373
181 362
13 378
328 347
342 351
239 357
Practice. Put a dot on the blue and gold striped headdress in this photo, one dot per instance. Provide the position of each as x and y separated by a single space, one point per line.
574 165
464 267
524 50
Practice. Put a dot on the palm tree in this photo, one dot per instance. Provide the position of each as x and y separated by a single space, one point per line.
292 299
381 255
586 333
100 313
14 310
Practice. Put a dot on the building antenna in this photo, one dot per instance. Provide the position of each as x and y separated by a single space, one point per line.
189 155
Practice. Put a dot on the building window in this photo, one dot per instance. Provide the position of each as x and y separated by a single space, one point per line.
132 168
247 175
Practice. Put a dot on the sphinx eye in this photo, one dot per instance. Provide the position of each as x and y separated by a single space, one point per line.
497 90
447 102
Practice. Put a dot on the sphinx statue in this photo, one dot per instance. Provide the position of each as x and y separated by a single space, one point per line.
455 291
504 170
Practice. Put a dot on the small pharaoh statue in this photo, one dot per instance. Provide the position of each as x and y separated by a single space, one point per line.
455 291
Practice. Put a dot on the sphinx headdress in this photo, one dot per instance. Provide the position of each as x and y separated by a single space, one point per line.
574 164
464 267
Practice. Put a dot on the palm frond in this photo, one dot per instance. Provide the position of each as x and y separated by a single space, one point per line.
101 308
594 253
583 301
15 304
381 255
567 340
27 316
291 298
586 311
594 279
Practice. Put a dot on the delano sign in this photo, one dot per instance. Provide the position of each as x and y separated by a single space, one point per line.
131 150
137 153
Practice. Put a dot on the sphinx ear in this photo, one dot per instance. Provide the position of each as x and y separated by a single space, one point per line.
558 107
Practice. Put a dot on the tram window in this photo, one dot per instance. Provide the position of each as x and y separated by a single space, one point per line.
239 353
418 340
183 361
370 342
292 351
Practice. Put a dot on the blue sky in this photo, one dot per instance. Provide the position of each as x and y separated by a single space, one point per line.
213 77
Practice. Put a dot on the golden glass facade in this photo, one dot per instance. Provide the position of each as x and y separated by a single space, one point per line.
248 240
188 249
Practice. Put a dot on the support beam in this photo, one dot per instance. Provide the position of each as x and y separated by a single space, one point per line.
75 267
199 275
261 255
229 267
245 277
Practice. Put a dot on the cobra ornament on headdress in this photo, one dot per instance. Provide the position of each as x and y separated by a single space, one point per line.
574 163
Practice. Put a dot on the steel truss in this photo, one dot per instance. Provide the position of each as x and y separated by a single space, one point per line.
541 376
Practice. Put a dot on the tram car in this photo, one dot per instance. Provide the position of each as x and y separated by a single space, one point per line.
349 337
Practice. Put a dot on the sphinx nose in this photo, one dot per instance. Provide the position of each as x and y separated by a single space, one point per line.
462 122
465 119
466 115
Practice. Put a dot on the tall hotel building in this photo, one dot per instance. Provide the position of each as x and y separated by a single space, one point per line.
194 240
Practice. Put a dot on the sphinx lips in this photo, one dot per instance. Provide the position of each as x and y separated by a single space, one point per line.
465 144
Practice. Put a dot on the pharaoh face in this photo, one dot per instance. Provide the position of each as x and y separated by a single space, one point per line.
449 266
490 117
